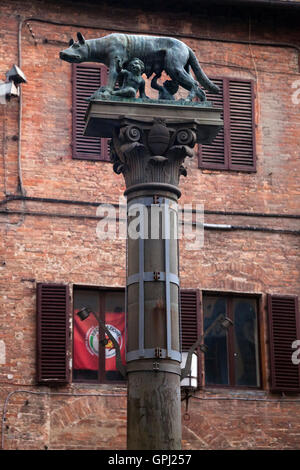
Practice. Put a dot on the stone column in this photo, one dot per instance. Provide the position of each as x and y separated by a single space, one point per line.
149 149
150 156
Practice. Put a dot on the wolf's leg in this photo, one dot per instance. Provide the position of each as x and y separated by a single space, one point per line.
114 69
201 94
178 73
180 76
126 92
187 82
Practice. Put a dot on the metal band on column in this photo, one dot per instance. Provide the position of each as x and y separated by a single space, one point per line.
141 291
166 231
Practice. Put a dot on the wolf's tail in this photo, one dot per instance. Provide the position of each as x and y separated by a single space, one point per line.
200 75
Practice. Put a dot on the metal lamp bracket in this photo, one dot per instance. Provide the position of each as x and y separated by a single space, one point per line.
224 321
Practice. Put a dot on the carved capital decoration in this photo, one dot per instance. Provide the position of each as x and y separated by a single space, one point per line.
152 152
150 142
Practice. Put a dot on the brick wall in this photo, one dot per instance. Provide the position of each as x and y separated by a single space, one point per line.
59 242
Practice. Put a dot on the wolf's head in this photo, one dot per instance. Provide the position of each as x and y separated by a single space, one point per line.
78 51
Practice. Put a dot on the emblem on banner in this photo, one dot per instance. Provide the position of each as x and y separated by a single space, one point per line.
92 340
109 348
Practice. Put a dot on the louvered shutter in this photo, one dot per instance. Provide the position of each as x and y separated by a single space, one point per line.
284 329
234 146
190 323
52 333
87 78
241 126
214 156
189 318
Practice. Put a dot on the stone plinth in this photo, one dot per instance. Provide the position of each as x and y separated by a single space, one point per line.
104 115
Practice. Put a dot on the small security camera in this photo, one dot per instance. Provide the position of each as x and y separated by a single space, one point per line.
15 75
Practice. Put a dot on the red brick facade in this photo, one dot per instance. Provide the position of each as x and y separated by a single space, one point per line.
58 242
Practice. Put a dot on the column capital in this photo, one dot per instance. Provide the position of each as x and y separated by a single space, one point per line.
151 141
152 152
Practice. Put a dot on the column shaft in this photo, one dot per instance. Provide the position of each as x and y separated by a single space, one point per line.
153 332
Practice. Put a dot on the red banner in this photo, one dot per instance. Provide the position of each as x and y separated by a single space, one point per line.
86 341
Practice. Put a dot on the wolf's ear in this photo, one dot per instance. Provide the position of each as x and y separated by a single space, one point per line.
71 42
80 38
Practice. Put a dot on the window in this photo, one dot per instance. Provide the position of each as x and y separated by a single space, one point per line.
234 146
232 357
94 357
87 78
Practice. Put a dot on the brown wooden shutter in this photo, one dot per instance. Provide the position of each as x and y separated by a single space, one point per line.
52 333
87 78
190 318
284 329
214 156
190 323
242 135
234 146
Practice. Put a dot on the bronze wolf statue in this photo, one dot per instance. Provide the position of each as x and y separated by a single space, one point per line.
157 53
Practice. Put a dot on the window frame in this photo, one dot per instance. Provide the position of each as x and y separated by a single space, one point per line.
101 358
230 339
227 165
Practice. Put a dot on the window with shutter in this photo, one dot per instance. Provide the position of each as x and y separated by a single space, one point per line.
93 358
234 146
52 333
284 329
87 78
